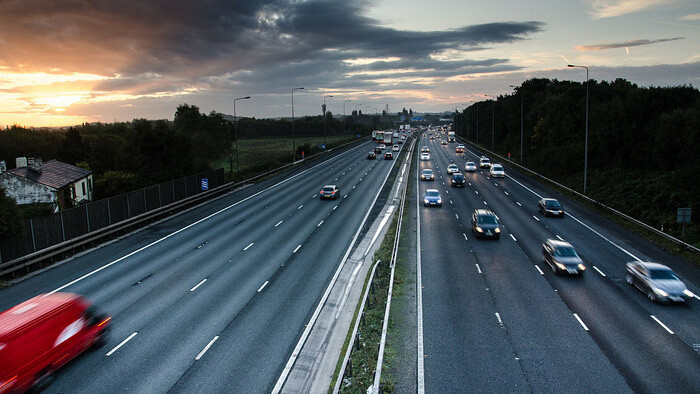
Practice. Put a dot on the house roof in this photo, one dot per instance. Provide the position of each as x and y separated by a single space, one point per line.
53 173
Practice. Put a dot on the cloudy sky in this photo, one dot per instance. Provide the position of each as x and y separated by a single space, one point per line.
65 62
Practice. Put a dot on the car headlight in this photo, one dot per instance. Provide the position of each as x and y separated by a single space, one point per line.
661 292
582 267
497 230
439 201
561 266
426 201
479 229
688 293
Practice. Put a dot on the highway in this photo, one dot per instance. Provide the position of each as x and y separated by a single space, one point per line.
216 298
495 318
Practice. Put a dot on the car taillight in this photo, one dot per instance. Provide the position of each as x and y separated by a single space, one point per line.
104 321
6 385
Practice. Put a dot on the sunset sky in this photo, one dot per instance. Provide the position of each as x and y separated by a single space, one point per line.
64 62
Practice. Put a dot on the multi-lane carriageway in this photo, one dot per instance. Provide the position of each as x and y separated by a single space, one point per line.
496 319
216 298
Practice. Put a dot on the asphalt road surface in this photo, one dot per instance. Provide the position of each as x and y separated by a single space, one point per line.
496 319
215 299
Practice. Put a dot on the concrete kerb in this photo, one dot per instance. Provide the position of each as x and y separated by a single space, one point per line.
317 361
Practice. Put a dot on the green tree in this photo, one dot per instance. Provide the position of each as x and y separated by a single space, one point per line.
10 216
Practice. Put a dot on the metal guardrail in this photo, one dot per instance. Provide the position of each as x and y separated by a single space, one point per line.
36 258
592 201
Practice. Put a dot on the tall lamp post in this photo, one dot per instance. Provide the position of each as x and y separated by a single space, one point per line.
585 159
522 100
294 151
346 101
324 120
235 128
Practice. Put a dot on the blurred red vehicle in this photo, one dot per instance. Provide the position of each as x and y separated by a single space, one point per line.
42 334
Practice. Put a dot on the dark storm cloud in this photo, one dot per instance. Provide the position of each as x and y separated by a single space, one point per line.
625 44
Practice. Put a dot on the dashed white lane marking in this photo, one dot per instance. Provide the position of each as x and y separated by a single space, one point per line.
498 317
457 216
560 238
496 184
319 223
536 218
206 348
297 248
599 271
451 202
465 236
345 196
476 191
198 284
354 186
519 204
336 179
300 206
539 270
478 269
662 324
485 203
249 245
264 284
278 223
511 235
335 207
122 343
314 196
585 327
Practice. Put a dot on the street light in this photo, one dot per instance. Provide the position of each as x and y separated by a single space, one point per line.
522 99
294 152
324 120
235 128
585 159
346 101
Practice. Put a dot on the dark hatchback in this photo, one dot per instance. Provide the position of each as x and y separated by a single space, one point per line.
371 156
485 224
562 257
550 207
458 180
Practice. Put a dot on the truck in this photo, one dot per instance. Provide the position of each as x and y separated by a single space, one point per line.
387 138
376 135
450 136
44 333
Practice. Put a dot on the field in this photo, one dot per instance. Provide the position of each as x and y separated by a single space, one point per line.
260 155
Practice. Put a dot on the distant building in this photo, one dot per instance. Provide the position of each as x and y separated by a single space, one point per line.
52 182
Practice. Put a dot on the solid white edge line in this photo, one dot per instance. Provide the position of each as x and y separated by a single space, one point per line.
539 270
263 286
420 356
581 322
478 269
206 348
599 271
511 235
195 223
662 324
297 248
198 284
297 349
122 343
251 244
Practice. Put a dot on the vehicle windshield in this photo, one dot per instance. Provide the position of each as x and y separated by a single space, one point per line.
469 163
484 160
452 166
458 177
486 219
497 168
662 274
430 193
427 172
565 251
553 204
327 189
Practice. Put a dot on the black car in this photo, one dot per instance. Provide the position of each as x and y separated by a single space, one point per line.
388 156
657 281
458 180
485 224
378 150
371 156
550 206
562 257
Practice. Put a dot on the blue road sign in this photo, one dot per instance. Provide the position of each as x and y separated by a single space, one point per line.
205 184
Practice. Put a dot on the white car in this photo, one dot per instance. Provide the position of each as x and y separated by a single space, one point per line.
452 169
470 166
425 156
497 171
395 148
484 162
382 146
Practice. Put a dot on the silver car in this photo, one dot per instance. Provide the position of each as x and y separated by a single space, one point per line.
657 281
562 257
470 166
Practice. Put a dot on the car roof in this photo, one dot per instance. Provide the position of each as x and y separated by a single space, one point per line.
427 169
452 165
652 266
432 190
484 212
329 186
549 199
556 242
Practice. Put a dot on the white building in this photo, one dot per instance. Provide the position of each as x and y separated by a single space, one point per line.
50 182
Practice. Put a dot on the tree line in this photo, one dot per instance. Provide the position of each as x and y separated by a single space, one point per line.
643 142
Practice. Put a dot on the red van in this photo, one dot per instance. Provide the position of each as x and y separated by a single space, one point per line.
40 335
